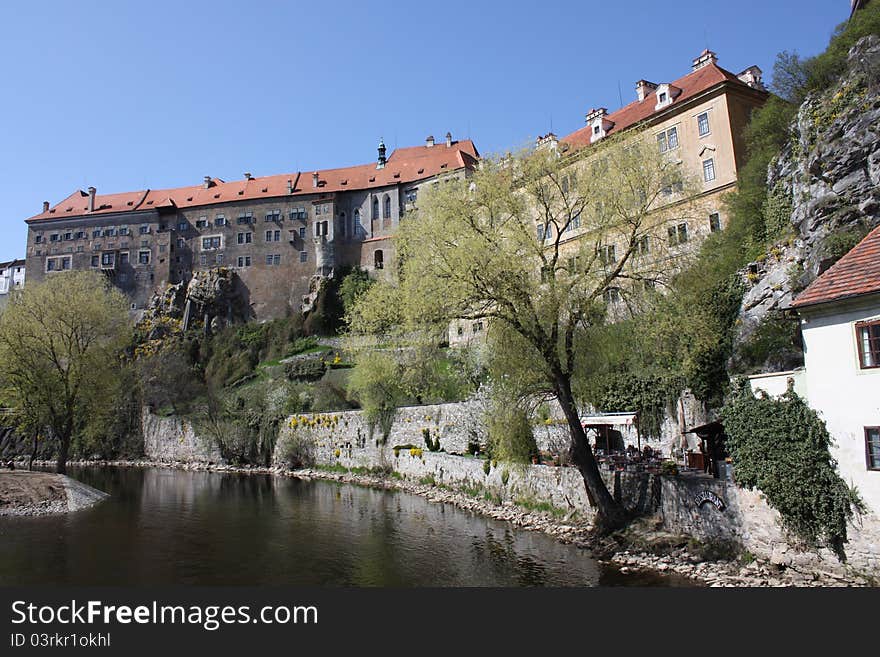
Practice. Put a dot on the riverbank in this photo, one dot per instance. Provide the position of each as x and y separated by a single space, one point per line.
24 493
641 547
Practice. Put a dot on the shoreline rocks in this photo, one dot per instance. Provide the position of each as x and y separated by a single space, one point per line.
25 493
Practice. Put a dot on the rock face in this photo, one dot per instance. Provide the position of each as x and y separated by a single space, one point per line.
827 181
214 298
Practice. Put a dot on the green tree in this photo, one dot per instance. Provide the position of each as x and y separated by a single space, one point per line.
495 247
61 342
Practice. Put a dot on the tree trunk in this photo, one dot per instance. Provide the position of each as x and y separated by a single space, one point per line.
63 451
33 451
610 514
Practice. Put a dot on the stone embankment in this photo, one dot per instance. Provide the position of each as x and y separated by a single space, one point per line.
633 550
25 493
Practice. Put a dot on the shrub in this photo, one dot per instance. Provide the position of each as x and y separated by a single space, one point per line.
510 434
433 444
297 449
305 369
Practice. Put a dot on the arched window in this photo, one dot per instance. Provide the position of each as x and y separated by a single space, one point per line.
375 208
386 209
358 227
378 259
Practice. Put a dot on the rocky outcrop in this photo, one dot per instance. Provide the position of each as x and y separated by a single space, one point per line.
825 184
213 298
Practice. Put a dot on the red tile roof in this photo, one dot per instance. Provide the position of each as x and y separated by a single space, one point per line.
855 274
691 84
405 165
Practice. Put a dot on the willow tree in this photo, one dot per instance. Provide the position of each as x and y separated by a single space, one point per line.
538 246
61 342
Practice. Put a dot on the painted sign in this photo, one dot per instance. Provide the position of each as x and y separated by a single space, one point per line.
708 496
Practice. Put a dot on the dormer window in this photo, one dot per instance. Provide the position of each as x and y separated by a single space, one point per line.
666 93
597 129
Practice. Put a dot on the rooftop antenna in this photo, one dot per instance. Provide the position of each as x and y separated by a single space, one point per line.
619 95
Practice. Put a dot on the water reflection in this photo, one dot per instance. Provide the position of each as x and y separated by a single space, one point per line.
165 526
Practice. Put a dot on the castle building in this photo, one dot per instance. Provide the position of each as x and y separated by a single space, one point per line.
279 233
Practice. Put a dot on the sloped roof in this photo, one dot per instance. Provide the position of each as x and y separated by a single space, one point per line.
855 274
405 165
690 85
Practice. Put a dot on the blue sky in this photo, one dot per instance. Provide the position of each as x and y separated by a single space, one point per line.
131 95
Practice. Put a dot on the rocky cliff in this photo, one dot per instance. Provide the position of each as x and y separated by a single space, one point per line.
823 188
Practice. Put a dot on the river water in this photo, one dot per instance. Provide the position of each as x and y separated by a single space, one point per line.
164 526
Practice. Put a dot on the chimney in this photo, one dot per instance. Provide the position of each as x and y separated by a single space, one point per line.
45 206
752 77
596 114
92 192
381 160
315 179
643 88
429 141
248 176
706 57
207 182
448 140
548 141
289 186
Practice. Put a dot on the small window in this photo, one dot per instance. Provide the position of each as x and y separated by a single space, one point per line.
478 326
244 261
55 237
211 243
709 170
144 230
143 257
203 259
108 259
201 222
868 336
607 254
123 230
714 222
245 238
220 220
540 232
643 245
668 140
379 259
597 129
218 258
96 261
95 234
275 215
611 295
303 256
677 234
245 218
38 239
872 447
302 233
386 209
411 195
375 208
703 124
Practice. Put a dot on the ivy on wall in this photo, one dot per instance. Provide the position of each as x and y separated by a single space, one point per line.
781 447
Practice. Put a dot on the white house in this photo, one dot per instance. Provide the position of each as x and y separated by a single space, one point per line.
11 275
840 322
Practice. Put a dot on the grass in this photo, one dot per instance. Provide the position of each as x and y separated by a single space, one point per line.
530 504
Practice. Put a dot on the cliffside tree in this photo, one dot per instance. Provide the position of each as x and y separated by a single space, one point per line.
537 245
60 347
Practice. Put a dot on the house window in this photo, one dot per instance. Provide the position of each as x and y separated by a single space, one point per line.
575 222
607 254
143 257
218 258
677 234
597 129
203 259
386 209
868 335
80 235
245 238
275 215
668 140
375 208
358 227
274 259
220 220
298 213
661 97
303 256
541 229
244 261
245 218
611 295
709 170
210 243
54 237
96 261
714 222
201 222
642 245
273 235
108 259
703 124
478 326
38 239
123 230
144 230
379 259
68 236
302 233
95 234
411 195
872 447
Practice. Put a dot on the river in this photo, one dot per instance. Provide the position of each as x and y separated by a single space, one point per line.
164 526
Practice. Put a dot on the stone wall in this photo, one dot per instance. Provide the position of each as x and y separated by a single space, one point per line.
169 439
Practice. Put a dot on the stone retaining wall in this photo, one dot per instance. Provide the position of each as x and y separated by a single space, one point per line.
168 439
